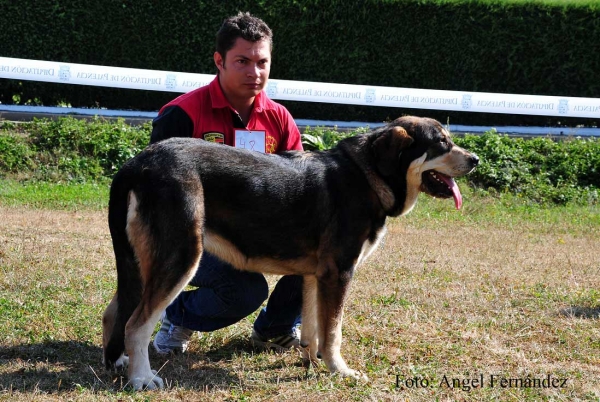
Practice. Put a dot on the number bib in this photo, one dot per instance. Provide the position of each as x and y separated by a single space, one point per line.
252 140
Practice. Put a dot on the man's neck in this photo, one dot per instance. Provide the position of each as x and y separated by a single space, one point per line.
243 107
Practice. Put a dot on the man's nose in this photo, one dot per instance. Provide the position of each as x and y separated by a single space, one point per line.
253 70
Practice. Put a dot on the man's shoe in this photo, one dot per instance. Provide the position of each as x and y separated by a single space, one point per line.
279 343
171 338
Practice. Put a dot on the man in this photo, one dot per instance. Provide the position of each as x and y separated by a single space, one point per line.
233 110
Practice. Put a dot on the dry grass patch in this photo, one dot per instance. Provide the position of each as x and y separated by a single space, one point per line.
448 297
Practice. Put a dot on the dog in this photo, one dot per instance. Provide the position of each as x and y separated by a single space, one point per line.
316 214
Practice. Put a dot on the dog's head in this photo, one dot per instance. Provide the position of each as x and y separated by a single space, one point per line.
417 155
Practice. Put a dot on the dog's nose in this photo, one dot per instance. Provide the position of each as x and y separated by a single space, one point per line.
474 160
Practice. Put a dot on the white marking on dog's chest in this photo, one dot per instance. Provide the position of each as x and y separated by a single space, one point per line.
413 184
369 246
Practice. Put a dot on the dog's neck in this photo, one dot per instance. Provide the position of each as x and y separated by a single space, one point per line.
379 186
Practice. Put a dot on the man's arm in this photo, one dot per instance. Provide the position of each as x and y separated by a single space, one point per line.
293 140
173 121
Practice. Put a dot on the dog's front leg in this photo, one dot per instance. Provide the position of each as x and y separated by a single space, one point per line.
332 287
309 340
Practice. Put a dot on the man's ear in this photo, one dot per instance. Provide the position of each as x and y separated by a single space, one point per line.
388 147
218 60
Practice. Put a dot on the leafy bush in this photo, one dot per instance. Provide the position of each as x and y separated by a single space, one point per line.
15 153
71 149
539 169
321 138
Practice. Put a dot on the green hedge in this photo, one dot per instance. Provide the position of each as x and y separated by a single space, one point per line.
539 169
509 46
67 150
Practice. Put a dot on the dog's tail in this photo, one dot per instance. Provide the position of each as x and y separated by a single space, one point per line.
129 281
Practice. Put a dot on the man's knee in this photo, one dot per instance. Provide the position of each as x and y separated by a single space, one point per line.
253 291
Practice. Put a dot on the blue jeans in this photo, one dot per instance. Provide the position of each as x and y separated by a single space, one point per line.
225 295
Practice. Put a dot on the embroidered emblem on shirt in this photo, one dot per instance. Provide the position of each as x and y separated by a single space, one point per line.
214 137
271 145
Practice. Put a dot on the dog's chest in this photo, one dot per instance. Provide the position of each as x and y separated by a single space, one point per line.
370 245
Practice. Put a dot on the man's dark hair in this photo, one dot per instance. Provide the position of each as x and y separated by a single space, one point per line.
245 26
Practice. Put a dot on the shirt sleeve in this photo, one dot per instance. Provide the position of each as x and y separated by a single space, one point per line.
293 140
172 121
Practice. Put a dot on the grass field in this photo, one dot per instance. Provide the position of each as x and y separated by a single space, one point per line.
498 301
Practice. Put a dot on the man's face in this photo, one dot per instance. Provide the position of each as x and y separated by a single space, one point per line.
245 70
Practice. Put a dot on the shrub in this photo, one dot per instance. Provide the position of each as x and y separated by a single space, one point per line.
72 149
540 169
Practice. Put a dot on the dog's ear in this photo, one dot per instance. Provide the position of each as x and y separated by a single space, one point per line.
388 147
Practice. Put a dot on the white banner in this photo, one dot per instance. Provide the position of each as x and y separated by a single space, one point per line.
305 91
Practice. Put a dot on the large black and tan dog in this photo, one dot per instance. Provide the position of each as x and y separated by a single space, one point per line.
317 214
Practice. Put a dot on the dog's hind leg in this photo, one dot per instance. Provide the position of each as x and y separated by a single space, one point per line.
108 322
129 285
309 334
140 326
332 287
168 247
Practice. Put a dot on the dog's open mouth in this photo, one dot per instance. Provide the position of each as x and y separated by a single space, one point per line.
440 185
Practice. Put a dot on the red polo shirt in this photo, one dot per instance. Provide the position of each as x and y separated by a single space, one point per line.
205 113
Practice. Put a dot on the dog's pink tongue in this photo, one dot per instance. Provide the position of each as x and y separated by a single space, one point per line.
455 190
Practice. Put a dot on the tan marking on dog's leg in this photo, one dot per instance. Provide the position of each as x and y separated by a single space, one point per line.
138 331
330 296
309 335
330 337
139 237
140 327
154 301
108 322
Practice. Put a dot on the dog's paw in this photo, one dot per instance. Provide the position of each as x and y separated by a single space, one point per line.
146 382
309 356
357 375
122 362
119 365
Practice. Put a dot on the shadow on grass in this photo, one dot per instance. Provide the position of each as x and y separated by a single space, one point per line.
240 345
581 312
57 367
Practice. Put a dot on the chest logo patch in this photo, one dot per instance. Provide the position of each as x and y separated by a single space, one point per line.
213 136
271 145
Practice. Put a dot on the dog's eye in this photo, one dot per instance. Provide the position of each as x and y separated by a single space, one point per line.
446 141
